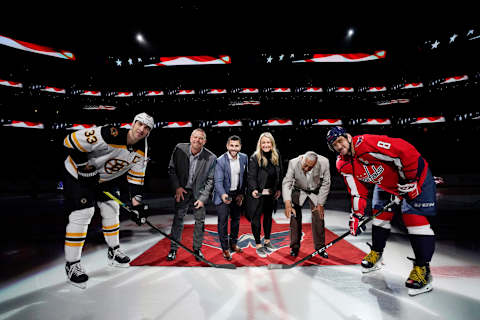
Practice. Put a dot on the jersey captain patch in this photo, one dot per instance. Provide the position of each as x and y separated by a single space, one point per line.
114 131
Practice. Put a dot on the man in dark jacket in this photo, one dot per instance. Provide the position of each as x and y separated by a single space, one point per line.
191 170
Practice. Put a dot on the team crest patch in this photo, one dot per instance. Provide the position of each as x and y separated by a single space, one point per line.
114 132
279 240
359 141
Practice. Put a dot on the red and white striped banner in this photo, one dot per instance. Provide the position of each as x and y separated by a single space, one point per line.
228 123
35 48
245 103
11 84
282 90
393 101
90 93
455 79
190 60
314 89
217 91
344 89
79 126
154 93
413 85
377 122
179 124
277 122
249 90
26 124
100 107
346 57
376 89
53 89
124 94
422 120
328 122
185 92
126 125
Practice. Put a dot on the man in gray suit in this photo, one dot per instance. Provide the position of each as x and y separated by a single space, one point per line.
191 170
308 177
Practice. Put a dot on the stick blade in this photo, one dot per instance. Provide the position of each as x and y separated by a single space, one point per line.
226 266
273 266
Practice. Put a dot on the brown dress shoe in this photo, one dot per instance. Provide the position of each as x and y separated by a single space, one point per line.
226 255
236 249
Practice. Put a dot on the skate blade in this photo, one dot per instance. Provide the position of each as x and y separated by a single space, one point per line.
414 292
375 268
115 264
82 285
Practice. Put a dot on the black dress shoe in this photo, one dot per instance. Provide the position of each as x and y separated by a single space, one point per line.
294 252
172 255
226 255
198 253
236 249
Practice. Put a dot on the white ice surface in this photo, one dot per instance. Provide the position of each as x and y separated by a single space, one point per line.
323 292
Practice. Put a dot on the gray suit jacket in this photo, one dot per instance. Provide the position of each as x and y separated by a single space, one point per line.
296 178
203 181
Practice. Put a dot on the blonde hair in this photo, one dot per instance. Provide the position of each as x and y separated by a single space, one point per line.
262 161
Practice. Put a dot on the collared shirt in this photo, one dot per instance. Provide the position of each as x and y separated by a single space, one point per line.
310 183
234 172
193 164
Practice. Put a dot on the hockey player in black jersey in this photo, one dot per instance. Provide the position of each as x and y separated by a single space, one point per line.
99 159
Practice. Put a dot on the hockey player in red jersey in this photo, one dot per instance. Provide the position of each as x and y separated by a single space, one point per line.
396 169
101 159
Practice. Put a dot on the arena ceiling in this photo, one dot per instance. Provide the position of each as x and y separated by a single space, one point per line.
249 33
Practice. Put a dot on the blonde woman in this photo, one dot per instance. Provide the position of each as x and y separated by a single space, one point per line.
264 185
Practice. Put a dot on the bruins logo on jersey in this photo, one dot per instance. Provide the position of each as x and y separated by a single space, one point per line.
115 165
113 132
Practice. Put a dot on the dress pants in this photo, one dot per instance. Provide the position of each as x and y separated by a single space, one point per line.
181 209
224 211
318 228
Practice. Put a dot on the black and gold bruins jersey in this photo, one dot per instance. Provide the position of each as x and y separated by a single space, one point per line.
106 149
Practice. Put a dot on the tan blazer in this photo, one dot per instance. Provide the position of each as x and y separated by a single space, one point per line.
295 177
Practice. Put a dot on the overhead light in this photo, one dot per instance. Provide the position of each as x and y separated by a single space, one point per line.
140 38
350 32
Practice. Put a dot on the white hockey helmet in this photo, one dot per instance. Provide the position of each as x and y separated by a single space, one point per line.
145 119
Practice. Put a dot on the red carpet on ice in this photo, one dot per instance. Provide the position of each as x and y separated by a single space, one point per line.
342 253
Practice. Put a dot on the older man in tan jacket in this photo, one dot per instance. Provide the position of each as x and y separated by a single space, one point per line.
308 177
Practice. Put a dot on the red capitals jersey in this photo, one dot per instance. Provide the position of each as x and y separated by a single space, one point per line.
380 160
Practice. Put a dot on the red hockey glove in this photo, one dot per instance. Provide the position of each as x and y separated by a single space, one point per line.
411 190
354 223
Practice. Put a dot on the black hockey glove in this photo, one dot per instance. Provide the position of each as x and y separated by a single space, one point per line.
87 176
139 214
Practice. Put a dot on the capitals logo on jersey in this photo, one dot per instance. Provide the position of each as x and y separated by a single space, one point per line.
279 240
372 174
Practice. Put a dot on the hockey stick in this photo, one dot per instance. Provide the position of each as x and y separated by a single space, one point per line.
144 220
328 245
